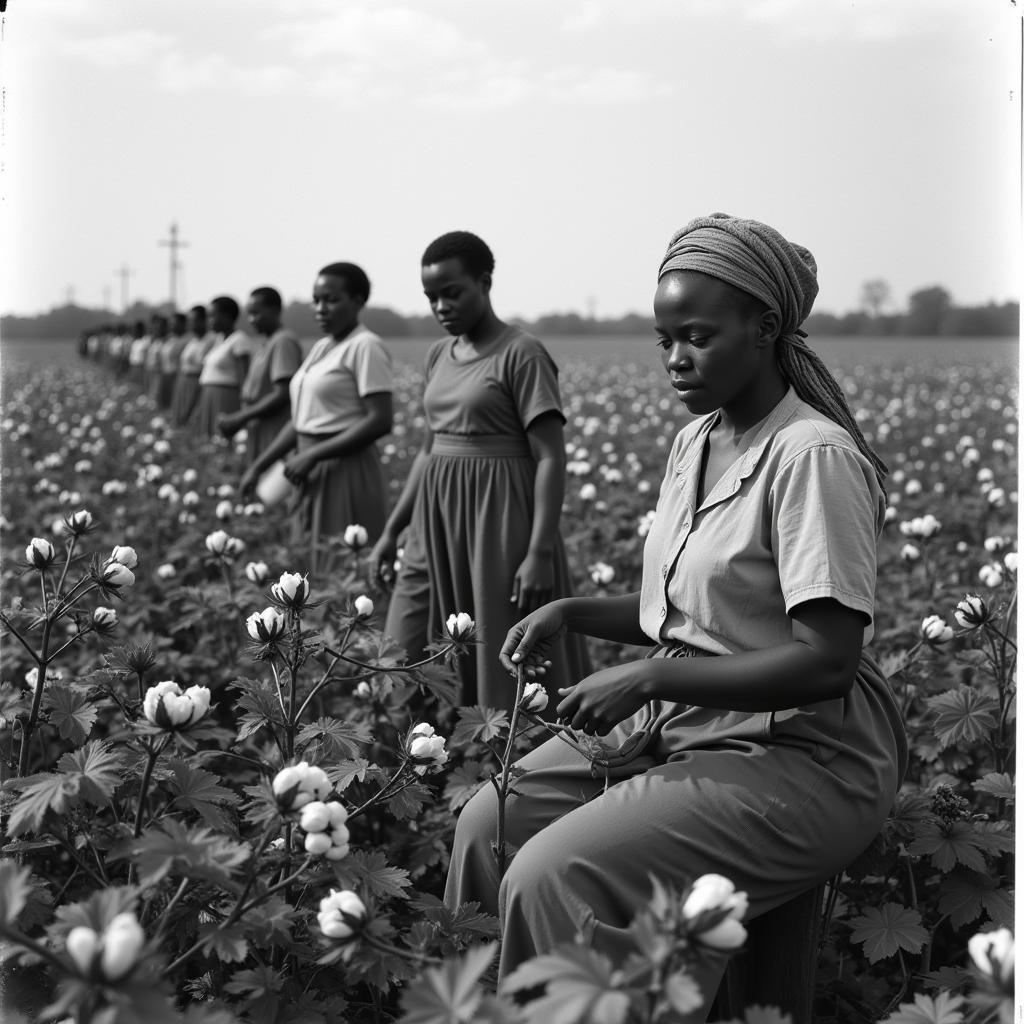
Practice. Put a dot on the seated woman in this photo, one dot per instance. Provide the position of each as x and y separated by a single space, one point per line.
759 740
266 407
341 405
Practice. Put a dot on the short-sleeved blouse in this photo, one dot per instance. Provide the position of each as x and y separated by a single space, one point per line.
277 361
795 518
498 393
327 389
220 366
170 353
194 352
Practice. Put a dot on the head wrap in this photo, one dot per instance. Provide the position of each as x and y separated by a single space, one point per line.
753 257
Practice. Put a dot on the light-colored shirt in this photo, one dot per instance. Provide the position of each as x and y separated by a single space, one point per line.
327 389
137 352
194 352
170 353
220 365
795 518
277 361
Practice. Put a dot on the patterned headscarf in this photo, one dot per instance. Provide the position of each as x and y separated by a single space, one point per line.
750 256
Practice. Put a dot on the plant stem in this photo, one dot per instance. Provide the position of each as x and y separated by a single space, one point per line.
29 727
390 669
154 748
506 768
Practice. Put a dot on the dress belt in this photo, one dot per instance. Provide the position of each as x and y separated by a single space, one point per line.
481 445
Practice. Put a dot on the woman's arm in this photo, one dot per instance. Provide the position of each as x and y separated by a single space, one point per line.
277 449
266 405
535 578
819 663
375 422
382 557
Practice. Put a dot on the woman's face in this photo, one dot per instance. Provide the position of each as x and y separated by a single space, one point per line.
712 343
457 299
336 311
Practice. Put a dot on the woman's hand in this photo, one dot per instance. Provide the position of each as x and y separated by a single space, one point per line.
602 700
247 484
227 424
297 468
529 640
382 560
534 582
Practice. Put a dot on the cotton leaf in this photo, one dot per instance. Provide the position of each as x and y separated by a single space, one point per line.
960 896
70 712
463 781
97 769
190 852
451 993
348 771
884 930
337 737
228 944
944 1008
997 784
578 986
963 716
999 905
947 846
370 869
47 791
478 724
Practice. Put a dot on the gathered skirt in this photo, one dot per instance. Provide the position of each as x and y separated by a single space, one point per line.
213 400
186 394
469 533
339 492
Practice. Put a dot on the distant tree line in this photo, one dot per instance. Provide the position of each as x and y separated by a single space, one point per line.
930 312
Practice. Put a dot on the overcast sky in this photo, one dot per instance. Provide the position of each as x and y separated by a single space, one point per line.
573 135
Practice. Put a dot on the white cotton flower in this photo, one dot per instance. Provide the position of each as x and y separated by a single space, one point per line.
935 630
602 573
167 707
300 784
713 894
535 698
459 626
363 606
355 536
341 915
991 574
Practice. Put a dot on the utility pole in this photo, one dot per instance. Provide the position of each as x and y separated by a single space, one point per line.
174 244
124 272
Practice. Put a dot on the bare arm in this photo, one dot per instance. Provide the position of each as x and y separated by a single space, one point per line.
818 663
382 557
535 577
267 405
375 422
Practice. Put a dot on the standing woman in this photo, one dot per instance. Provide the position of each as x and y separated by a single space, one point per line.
190 366
265 403
224 366
484 495
170 359
763 742
340 406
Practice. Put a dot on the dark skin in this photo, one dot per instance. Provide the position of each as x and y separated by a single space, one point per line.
337 312
719 355
461 302
265 320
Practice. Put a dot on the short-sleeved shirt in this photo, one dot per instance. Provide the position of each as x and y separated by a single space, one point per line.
137 352
170 353
327 389
194 352
498 393
220 366
795 518
276 362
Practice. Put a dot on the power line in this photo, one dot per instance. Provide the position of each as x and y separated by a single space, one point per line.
174 243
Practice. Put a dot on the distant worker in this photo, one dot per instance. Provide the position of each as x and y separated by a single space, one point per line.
266 407
225 366
186 386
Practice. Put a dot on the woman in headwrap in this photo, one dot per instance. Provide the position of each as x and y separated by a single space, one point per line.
759 741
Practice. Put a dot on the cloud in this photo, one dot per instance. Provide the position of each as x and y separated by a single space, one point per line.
117 49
